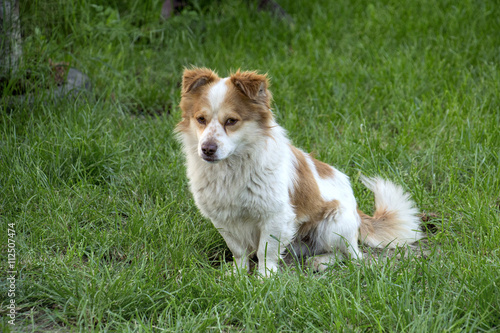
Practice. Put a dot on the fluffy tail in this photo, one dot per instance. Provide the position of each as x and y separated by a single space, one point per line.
395 221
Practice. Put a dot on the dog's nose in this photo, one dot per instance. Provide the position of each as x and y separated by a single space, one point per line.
209 148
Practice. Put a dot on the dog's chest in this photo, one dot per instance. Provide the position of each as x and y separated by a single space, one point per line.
238 194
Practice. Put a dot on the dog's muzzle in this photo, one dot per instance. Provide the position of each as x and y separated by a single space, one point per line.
208 150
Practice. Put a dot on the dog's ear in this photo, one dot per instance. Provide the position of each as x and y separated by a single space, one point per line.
253 86
196 77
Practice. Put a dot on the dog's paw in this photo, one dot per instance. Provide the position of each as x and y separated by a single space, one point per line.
231 269
322 262
267 271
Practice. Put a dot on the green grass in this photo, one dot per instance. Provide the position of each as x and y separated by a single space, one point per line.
107 235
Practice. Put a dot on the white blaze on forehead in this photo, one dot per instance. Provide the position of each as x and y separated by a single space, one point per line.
217 93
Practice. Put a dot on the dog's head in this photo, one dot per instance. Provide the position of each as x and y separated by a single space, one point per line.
223 115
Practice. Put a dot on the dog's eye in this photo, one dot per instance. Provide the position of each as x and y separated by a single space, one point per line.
201 120
231 121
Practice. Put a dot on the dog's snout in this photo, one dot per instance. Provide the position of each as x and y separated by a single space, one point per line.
209 148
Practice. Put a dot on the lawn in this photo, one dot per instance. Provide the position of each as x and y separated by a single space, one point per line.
93 190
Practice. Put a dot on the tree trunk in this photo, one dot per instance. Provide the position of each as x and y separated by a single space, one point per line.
10 38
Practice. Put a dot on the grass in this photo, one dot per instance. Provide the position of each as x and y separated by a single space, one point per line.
107 235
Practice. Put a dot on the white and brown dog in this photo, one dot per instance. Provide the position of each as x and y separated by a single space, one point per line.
263 194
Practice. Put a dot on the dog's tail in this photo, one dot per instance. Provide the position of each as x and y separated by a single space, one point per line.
395 221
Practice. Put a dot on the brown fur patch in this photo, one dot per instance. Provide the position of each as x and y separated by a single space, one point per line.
195 84
384 224
253 86
196 77
324 170
247 110
306 198
366 228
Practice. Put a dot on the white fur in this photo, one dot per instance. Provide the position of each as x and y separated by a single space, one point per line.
341 232
246 196
392 198
217 93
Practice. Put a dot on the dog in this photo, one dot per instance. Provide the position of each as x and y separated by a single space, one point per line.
266 196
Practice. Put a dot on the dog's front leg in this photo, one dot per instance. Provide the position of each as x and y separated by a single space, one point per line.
240 252
268 255
273 240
